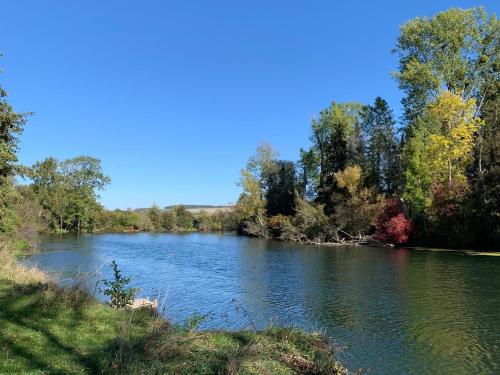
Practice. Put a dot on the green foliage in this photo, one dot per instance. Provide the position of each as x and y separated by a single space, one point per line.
278 225
175 219
251 205
22 246
269 188
456 50
444 169
483 208
9 198
194 321
118 221
280 193
417 178
11 127
116 289
220 220
154 214
308 173
438 156
183 219
382 148
310 224
168 221
60 331
263 163
337 142
68 190
449 72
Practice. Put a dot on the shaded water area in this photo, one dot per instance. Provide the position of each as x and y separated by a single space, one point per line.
393 311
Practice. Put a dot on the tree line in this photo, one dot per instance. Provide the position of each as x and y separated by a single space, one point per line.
62 196
431 177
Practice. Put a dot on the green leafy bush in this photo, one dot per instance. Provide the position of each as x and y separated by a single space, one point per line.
120 295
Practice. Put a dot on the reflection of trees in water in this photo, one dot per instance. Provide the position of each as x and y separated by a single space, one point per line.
272 280
449 313
352 292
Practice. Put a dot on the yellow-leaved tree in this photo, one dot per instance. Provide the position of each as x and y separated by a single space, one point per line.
450 146
357 207
251 205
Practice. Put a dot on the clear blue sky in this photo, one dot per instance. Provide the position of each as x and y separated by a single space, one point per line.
173 96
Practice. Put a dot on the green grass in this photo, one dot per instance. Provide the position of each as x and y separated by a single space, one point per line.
274 351
45 329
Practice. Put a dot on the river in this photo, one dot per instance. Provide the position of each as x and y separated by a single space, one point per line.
388 311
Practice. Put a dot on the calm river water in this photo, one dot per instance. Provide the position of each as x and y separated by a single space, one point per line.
391 311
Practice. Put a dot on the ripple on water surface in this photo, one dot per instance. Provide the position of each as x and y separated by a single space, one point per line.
394 310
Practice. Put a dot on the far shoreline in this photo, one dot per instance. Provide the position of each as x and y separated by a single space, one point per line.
468 251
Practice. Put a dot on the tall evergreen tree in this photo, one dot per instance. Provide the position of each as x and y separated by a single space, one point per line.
485 174
308 173
382 167
280 195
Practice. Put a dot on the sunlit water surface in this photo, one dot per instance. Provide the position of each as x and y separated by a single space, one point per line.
392 311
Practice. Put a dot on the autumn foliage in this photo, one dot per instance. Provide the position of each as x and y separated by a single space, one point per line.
392 225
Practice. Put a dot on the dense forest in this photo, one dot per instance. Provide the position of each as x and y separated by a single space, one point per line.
431 177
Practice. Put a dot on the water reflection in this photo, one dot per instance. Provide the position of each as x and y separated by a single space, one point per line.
395 311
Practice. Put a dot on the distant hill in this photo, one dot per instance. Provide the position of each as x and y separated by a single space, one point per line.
196 208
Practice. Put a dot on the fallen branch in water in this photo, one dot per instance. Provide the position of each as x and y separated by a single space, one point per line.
338 238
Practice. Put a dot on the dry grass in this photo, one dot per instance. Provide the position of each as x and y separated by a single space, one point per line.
16 272
275 351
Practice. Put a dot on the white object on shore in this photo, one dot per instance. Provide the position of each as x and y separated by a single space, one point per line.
144 303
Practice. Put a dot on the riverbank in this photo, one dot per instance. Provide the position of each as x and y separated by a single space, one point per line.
49 329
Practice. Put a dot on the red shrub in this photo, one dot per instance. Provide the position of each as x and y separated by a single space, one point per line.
391 224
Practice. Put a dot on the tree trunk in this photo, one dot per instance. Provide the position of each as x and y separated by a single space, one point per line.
449 173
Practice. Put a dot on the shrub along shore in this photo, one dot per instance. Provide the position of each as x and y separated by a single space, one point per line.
50 329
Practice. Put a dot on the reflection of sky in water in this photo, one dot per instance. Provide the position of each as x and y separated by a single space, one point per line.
396 311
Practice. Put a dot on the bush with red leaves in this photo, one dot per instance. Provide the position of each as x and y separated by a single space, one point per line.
391 224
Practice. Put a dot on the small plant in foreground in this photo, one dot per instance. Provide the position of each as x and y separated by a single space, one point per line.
22 247
195 320
120 295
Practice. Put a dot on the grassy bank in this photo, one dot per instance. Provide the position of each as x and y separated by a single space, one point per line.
49 330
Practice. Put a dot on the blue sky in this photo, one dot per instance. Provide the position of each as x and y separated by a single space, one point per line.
174 96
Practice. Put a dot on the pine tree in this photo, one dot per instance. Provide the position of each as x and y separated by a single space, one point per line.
382 168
